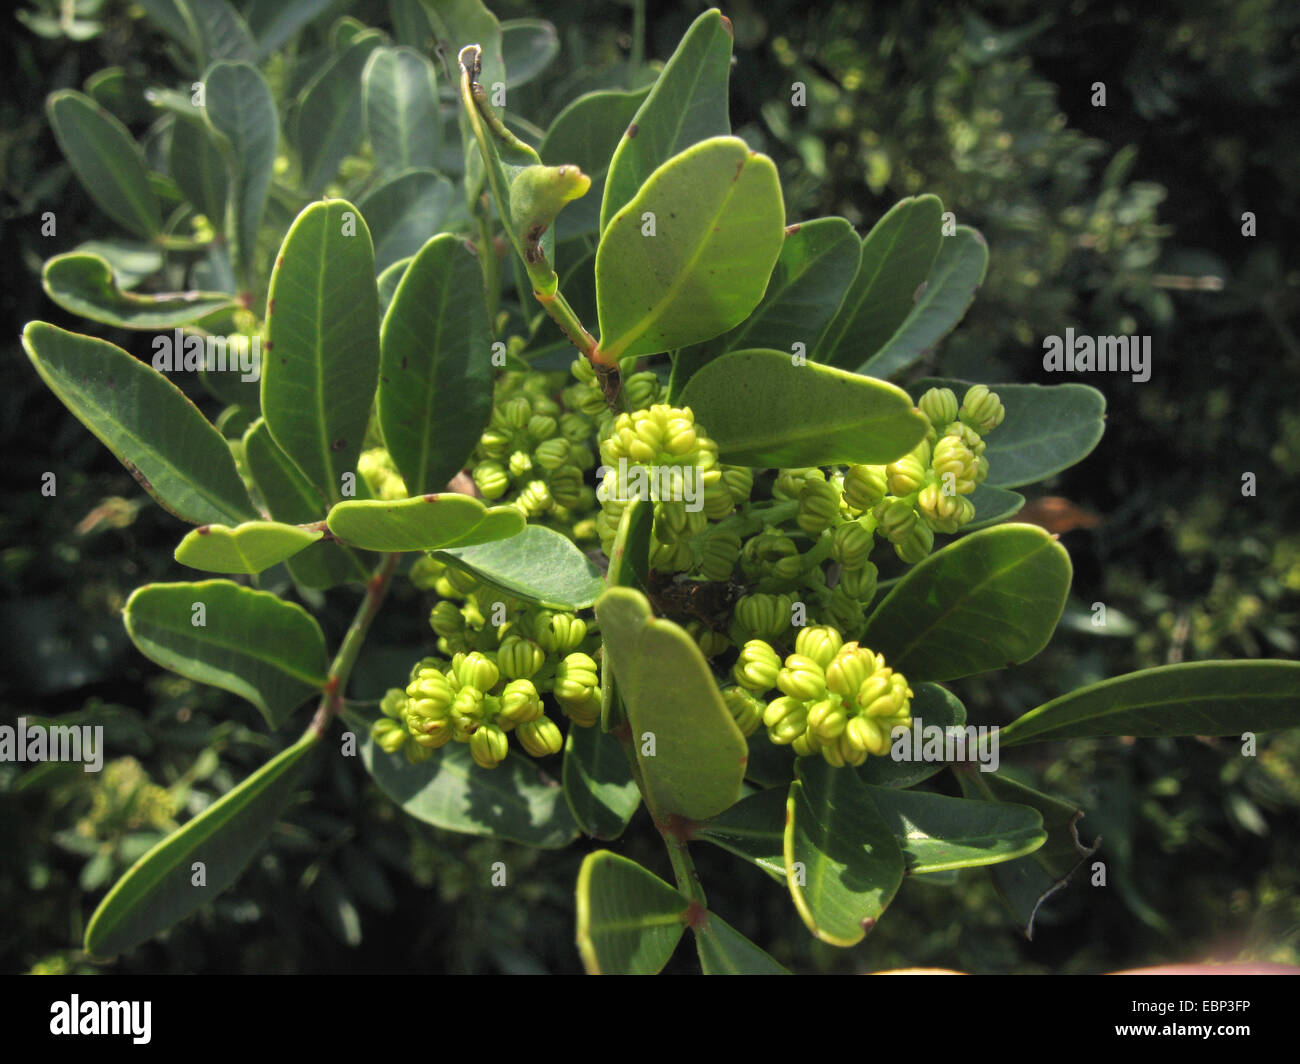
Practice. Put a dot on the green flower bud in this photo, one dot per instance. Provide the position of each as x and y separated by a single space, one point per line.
757 667
953 458
789 482
641 390
520 702
806 744
860 583
488 746
469 702
558 633
827 719
388 735
519 659
577 681
575 427
540 737
939 510
521 464
711 643
671 557
763 552
818 643
445 618
581 457
566 486
868 735
916 545
542 427
764 616
494 444
849 670
850 545
786 720
982 410
819 504
429 686
476 670
718 502
843 612
552 453
513 413
393 704
492 479
459 581
895 518
905 475
535 499
739 481
746 710
801 678
583 370
718 555
865 486
940 406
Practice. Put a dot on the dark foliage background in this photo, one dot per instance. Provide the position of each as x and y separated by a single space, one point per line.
1125 219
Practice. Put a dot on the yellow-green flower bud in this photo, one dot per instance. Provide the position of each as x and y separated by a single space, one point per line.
388 735
916 545
566 486
542 427
801 678
492 479
718 555
488 746
520 464
575 427
476 670
519 659
558 633
393 704
786 719
806 744
939 510
827 719
535 498
818 643
895 518
869 735
905 475
739 481
717 499
757 667
851 544
459 581
470 702
764 616
953 459
540 737
641 390
520 702
445 618
865 486
982 410
552 453
582 370
940 406
746 710
763 554
671 557
513 413
576 679
860 583
429 686
819 504
494 443
789 482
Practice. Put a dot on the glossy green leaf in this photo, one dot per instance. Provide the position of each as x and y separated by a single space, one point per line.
950 289
932 706
107 161
195 161
629 558
817 261
218 30
843 865
248 548
938 833
159 890
896 259
273 22
992 505
247 642
435 376
289 497
687 104
461 22
145 420
400 92
753 828
1047 428
132 260
424 522
321 360
240 107
598 782
1194 698
585 135
725 951
719 223
537 565
762 410
985 601
629 920
85 285
515 801
388 281
167 16
769 765
528 46
330 114
690 752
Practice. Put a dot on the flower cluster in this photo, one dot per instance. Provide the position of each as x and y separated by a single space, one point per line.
838 699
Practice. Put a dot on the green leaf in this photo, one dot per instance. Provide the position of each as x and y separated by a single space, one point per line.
817 262
273 22
240 107
424 522
950 289
842 863
330 113
687 104
248 548
932 706
725 951
85 285
537 565
672 700
388 281
528 46
938 833
629 559
399 88
218 30
753 828
159 889
719 223
132 261
290 497
461 22
585 135
321 362
195 161
629 920
247 642
435 376
896 259
145 420
166 15
992 505
1047 428
762 410
598 782
1194 698
515 801
985 601
107 161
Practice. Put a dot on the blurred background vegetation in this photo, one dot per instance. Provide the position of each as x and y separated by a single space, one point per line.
1120 219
